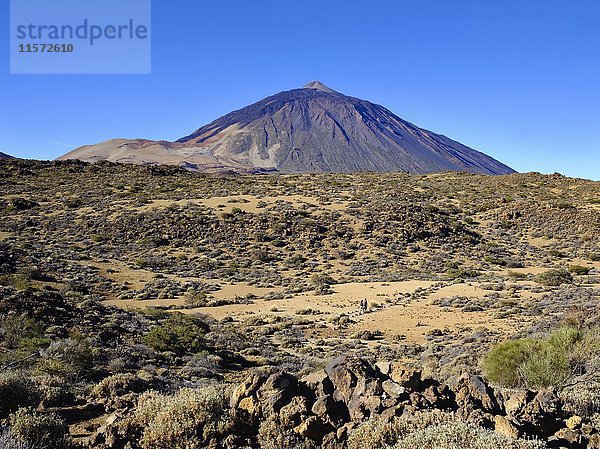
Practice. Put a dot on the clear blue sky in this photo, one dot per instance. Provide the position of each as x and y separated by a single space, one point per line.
519 80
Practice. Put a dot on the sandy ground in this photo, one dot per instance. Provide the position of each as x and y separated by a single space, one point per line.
415 320
391 311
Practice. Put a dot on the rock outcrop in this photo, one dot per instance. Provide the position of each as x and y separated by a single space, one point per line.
325 405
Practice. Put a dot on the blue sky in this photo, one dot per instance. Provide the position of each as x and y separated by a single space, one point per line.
519 80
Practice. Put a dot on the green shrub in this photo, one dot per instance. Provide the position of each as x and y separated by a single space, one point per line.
181 334
579 270
40 430
554 278
15 328
554 361
462 273
189 419
501 364
18 281
195 298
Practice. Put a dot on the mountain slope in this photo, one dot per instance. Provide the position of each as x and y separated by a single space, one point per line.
6 156
313 129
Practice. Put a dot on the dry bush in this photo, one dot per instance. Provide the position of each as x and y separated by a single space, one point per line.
117 385
378 433
554 278
274 435
459 435
432 430
40 430
189 419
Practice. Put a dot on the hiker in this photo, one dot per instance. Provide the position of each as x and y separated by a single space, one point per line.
366 306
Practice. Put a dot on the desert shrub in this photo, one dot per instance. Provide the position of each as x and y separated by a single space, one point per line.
553 361
380 433
21 338
579 270
321 280
458 435
308 311
566 356
189 419
16 390
69 357
18 281
15 328
118 385
501 364
554 278
180 334
54 390
40 430
195 298
274 435
515 275
581 399
462 273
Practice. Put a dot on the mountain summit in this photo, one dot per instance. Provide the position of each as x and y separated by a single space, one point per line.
312 129
319 86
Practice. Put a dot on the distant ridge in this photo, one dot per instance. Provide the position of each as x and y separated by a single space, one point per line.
6 156
312 129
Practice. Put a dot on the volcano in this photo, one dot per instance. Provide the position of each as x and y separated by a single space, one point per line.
309 130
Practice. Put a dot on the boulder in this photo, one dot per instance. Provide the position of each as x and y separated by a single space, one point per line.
572 437
407 377
249 404
330 411
294 412
504 426
547 402
248 388
392 412
517 402
393 389
330 441
473 393
277 391
594 441
384 367
311 428
318 382
347 374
